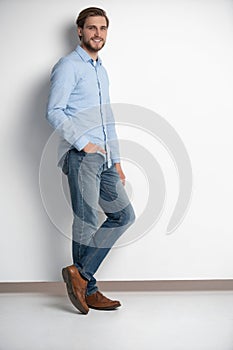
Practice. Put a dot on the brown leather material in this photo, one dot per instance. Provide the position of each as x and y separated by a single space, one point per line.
76 287
98 301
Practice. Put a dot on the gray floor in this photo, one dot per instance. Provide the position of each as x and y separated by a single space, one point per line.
147 321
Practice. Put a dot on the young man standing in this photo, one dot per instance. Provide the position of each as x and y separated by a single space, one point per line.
79 108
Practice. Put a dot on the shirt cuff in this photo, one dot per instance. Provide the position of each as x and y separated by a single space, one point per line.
81 143
116 160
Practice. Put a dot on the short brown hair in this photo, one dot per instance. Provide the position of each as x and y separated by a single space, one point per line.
90 11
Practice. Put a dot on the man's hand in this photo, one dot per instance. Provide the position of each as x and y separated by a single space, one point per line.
120 172
93 148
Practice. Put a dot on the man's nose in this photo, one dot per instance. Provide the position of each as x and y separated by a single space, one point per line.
97 32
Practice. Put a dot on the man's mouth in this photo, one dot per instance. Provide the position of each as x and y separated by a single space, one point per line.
97 40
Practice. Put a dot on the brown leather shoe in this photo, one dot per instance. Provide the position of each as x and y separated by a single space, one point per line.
99 302
76 287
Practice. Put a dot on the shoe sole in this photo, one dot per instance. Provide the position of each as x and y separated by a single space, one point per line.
74 300
104 308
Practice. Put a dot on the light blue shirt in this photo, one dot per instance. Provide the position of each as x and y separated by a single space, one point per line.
79 105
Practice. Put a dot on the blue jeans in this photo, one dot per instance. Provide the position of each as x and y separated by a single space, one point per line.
93 184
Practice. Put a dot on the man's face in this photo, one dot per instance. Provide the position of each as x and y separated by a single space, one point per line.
93 33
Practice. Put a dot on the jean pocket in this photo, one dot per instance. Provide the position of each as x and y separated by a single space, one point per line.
65 167
101 153
95 153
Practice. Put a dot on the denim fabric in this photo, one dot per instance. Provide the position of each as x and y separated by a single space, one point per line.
94 187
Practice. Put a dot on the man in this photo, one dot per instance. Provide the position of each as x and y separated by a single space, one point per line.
79 108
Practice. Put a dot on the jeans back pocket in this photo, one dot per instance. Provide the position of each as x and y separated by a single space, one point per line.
65 166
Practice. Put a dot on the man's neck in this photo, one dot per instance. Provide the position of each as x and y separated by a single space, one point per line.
92 54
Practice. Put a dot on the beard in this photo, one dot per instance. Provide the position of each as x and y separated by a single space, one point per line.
92 47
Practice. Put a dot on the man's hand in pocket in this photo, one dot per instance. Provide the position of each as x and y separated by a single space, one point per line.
93 148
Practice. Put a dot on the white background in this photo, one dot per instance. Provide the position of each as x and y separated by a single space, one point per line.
173 57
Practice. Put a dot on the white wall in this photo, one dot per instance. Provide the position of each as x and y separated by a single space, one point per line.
172 57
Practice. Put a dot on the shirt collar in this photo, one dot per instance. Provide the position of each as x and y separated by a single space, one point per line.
84 55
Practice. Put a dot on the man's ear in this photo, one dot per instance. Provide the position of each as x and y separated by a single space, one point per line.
79 30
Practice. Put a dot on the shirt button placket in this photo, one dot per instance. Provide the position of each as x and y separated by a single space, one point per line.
109 162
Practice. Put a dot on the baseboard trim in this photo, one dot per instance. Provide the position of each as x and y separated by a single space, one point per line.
58 288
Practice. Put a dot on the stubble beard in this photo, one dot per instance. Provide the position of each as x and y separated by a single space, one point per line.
87 44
